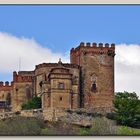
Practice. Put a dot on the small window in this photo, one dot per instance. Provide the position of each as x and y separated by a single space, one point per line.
94 83
93 88
60 99
16 89
41 83
61 85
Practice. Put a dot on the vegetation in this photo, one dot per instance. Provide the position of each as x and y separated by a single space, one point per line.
100 126
124 130
31 126
103 126
60 128
20 126
34 103
84 131
127 109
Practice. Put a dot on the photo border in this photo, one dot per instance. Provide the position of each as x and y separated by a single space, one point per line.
78 2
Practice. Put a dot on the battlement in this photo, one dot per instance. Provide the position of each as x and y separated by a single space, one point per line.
5 83
91 49
5 86
21 77
94 47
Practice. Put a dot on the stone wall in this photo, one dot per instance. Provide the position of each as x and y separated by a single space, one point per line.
19 95
49 114
7 115
53 114
97 67
5 89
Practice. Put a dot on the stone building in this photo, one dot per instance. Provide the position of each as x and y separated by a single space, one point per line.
87 82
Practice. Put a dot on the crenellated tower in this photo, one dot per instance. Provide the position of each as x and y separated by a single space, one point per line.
22 88
97 73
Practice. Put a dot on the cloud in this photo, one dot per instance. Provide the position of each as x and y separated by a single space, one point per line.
127 68
14 49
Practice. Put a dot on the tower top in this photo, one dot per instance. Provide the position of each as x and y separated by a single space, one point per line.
91 49
94 47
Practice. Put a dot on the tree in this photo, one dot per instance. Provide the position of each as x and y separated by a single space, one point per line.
127 108
34 103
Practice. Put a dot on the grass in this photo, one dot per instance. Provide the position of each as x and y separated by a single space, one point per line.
127 131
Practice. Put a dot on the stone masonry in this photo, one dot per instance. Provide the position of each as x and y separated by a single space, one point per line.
87 82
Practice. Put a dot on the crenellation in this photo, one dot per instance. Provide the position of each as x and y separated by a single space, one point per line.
106 45
113 46
94 45
88 49
88 44
1 83
6 83
100 45
82 44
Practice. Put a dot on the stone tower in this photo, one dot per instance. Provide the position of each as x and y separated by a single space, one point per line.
97 74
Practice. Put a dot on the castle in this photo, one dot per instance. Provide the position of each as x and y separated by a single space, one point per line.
87 82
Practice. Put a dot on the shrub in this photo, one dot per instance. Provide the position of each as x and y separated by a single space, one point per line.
124 130
34 103
84 131
103 126
20 126
44 131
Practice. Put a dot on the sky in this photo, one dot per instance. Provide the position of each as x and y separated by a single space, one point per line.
35 34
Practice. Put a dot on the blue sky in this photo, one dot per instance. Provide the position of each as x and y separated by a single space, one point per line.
44 33
61 27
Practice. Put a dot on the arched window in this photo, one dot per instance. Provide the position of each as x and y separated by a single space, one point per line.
94 83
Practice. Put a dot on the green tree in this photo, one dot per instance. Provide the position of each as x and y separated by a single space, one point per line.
34 103
127 108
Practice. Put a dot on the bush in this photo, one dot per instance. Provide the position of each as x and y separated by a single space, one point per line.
44 131
103 126
85 131
111 115
127 109
20 126
124 130
34 103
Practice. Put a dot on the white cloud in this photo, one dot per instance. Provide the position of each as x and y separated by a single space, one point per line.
127 68
29 51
